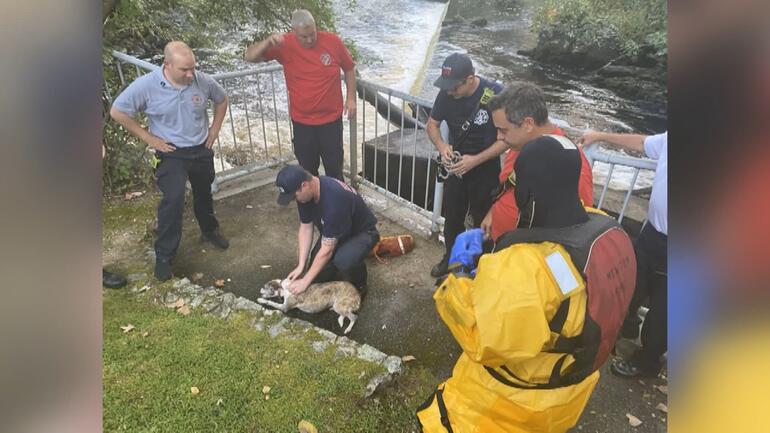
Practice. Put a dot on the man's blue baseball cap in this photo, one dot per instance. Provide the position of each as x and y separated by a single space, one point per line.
288 181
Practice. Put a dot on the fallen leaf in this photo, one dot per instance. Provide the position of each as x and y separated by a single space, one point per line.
179 303
184 310
127 328
634 421
197 276
662 407
229 280
408 358
219 283
384 326
663 389
220 402
248 206
194 390
267 397
203 251
306 427
145 333
265 266
265 389
144 288
411 285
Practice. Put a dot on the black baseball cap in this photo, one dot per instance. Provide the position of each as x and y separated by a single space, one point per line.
456 68
288 181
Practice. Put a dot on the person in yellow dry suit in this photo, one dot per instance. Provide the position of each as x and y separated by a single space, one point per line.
542 313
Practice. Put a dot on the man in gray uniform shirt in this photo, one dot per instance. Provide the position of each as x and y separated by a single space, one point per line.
174 99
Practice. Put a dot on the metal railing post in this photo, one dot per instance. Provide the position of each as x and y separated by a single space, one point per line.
353 152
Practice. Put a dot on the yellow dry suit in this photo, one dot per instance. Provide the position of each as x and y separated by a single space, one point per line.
533 334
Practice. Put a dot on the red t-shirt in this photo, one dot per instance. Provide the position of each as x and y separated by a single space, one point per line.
505 212
313 76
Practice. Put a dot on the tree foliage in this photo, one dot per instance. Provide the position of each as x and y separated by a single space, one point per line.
141 28
635 27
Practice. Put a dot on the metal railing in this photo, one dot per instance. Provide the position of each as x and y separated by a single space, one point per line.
595 154
393 156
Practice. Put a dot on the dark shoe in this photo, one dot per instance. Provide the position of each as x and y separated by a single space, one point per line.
216 239
163 270
112 281
441 268
628 369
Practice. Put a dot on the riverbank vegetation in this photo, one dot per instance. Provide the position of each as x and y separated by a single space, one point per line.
591 33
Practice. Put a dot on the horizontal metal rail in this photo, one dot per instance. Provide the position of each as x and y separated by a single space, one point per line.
258 132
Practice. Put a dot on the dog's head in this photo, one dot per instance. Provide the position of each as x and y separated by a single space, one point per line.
275 288
271 289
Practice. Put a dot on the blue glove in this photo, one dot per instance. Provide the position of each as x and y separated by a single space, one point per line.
466 250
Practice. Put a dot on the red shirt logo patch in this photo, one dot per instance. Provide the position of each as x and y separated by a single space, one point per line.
326 59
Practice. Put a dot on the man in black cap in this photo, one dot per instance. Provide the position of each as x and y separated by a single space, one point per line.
348 228
472 153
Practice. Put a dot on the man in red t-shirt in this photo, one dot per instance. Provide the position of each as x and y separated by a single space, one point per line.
520 115
311 62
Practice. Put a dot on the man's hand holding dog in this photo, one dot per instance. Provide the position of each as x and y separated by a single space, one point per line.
298 286
296 273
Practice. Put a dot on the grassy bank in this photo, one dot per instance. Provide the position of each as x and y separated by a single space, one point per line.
149 372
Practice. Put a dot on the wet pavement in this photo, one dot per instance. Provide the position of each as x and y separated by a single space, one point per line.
397 315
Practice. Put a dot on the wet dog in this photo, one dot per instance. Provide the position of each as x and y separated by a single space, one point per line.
340 296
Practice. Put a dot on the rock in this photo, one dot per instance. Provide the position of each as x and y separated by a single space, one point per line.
369 353
375 382
276 330
211 304
393 364
181 283
320 346
246 305
224 311
228 299
197 301
329 335
132 278
345 351
170 298
279 328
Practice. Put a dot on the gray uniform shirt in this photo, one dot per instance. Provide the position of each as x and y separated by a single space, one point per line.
177 115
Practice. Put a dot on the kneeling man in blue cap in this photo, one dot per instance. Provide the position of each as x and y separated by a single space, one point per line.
348 228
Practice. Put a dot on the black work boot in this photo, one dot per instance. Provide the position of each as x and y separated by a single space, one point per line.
112 281
629 369
215 238
163 269
440 268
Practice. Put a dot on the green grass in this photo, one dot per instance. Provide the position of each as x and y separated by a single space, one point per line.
147 380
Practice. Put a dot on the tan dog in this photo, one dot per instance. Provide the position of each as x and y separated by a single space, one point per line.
340 296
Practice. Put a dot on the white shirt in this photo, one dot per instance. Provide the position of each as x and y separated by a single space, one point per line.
656 147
